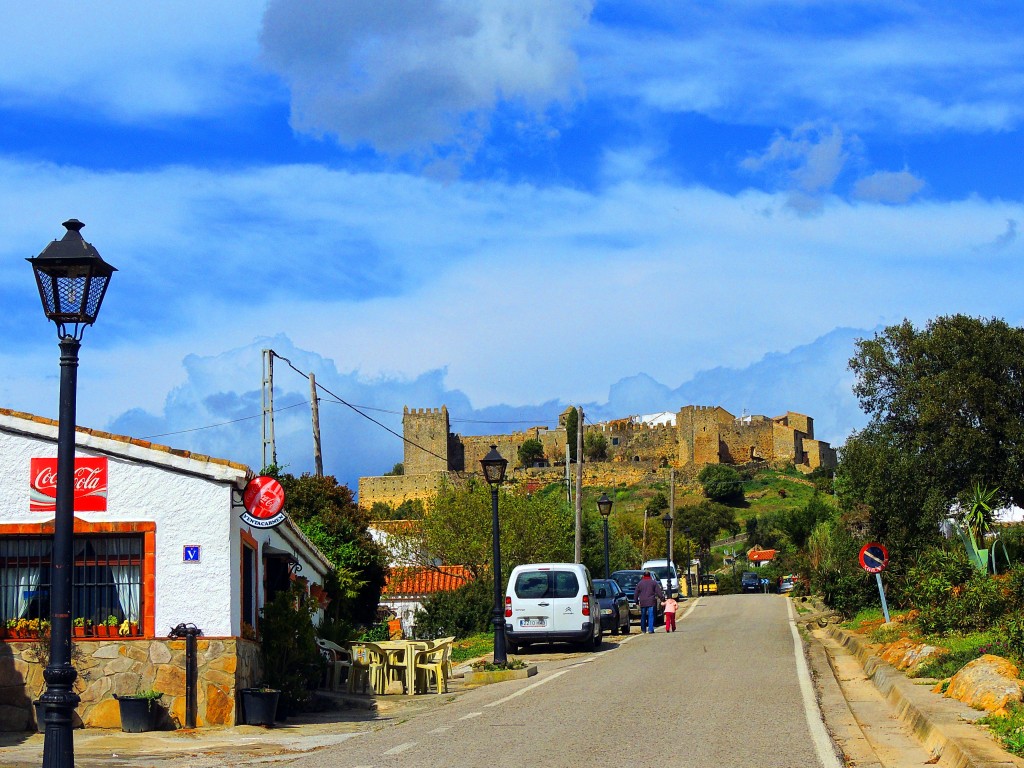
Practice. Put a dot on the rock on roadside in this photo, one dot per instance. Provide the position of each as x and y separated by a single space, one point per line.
989 683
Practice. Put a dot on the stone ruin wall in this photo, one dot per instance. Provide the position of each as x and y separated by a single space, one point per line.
395 489
126 667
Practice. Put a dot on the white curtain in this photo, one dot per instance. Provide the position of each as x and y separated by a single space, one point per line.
126 579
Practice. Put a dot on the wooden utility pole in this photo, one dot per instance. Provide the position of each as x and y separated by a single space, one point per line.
314 407
672 512
579 485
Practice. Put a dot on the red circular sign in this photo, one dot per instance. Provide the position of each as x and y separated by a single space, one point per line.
874 557
263 497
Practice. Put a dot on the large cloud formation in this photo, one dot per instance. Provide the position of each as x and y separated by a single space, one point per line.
403 76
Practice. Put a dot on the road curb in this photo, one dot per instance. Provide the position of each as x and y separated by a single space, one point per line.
945 727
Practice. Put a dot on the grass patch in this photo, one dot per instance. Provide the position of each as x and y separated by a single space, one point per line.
1008 730
865 616
961 649
466 648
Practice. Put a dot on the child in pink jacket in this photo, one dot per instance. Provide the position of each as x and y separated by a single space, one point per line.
670 614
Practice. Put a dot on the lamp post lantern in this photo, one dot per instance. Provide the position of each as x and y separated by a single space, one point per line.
686 532
72 279
494 467
604 506
667 522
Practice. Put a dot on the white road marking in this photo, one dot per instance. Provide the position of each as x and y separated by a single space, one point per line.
471 715
521 691
441 729
400 748
822 742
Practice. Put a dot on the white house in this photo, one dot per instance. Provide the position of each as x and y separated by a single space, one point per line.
159 541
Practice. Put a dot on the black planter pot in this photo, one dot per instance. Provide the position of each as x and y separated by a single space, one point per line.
138 714
259 706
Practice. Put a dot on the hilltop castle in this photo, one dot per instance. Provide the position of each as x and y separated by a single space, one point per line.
693 437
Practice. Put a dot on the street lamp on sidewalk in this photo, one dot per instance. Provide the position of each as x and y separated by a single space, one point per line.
494 472
667 522
72 279
604 506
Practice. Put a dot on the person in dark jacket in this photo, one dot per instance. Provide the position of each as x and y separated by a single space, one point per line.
647 592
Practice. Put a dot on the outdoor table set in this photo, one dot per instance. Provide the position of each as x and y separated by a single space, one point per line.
419 665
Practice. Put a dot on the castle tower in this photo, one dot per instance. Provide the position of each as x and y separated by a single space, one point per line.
426 432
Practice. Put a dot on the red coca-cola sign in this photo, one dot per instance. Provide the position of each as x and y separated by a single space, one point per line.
263 498
90 485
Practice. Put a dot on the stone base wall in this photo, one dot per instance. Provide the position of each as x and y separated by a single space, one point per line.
125 667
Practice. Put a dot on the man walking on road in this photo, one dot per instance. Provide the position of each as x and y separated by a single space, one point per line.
647 593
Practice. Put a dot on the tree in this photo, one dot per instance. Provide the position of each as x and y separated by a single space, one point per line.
398 469
721 482
705 521
945 405
572 423
324 511
535 528
530 451
595 446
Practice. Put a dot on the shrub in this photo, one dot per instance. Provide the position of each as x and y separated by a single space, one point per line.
1012 627
1009 730
291 659
461 612
951 595
720 481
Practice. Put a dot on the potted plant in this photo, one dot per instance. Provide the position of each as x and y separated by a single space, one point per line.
139 711
108 627
80 626
259 705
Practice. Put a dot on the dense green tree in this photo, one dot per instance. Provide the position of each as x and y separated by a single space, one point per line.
797 524
457 531
325 511
398 469
705 522
945 405
595 446
530 451
721 482
572 424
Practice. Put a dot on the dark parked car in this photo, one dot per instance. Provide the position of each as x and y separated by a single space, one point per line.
628 580
750 582
614 606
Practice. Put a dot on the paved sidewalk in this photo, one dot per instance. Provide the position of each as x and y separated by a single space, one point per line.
944 728
240 745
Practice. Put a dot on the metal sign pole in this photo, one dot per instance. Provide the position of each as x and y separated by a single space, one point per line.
881 593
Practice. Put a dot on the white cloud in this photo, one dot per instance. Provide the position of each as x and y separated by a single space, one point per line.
904 67
128 60
888 186
808 163
521 294
404 76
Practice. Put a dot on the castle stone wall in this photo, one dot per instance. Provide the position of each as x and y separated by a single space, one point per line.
395 489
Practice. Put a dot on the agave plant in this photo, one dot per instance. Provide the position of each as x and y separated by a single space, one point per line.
976 516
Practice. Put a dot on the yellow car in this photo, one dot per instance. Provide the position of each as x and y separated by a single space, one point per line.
709 584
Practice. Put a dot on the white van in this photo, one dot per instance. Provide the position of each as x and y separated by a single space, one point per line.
666 572
551 603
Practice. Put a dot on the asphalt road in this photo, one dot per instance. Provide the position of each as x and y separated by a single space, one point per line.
724 690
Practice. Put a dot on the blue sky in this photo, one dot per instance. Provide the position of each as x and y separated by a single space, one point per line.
505 206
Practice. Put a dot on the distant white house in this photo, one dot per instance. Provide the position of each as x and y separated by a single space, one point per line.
666 418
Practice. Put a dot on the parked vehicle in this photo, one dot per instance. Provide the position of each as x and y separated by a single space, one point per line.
750 582
666 571
551 603
628 580
614 606
709 584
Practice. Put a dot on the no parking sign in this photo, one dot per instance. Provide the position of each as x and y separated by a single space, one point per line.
873 559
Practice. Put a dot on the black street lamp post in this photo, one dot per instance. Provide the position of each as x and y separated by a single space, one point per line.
667 522
72 279
604 506
494 472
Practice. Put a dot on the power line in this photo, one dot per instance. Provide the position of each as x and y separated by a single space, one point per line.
221 424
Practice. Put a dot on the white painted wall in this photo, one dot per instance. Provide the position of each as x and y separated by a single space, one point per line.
191 501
